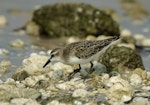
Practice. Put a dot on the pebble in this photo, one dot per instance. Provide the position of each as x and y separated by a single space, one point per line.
4 103
135 79
125 98
76 102
139 37
102 37
79 93
119 88
90 37
32 28
23 101
10 81
18 43
146 42
126 32
4 66
3 51
140 101
30 81
147 88
3 21
55 102
34 64
72 40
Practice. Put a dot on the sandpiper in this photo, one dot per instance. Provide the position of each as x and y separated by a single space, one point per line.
80 52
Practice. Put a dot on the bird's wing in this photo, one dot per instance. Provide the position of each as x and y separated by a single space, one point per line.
89 48
85 49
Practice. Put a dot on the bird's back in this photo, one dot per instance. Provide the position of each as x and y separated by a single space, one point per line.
85 49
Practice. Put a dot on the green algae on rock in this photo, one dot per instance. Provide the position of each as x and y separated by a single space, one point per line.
121 58
66 19
19 76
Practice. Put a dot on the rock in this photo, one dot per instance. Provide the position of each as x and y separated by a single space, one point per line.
33 65
125 33
98 69
100 98
125 98
72 39
76 102
135 80
70 85
3 52
79 93
147 88
4 103
18 43
19 76
23 101
59 99
121 58
140 101
139 38
55 102
146 42
3 21
129 39
57 74
4 66
10 81
60 66
8 92
32 28
90 37
78 19
120 89
31 81
140 72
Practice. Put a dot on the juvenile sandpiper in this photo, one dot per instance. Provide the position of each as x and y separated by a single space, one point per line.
80 52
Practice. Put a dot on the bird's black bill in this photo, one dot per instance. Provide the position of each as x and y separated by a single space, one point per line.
48 61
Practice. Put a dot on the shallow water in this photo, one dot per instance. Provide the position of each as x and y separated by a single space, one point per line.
18 12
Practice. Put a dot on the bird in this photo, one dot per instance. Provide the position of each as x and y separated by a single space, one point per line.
81 52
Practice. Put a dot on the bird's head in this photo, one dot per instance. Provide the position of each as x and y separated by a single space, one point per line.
54 56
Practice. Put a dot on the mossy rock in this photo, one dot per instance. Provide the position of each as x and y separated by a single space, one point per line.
67 19
20 76
122 58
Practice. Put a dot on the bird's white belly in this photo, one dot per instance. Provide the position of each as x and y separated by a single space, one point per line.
76 60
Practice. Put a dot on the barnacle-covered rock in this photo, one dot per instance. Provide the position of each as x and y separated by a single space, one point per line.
66 19
122 58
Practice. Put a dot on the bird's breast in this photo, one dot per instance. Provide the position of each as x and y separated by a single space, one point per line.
76 60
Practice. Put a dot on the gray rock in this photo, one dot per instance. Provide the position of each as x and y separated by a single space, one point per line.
8 92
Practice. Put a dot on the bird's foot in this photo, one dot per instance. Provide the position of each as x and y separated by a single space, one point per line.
91 70
73 73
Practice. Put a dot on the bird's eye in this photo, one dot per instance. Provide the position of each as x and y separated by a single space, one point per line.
52 55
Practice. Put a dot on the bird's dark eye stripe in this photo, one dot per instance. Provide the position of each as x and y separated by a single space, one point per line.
52 56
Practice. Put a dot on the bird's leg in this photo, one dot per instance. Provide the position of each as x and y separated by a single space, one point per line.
90 71
74 72
91 68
